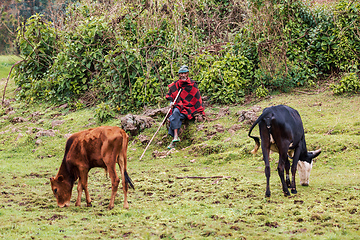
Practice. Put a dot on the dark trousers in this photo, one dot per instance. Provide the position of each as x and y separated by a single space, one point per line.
175 120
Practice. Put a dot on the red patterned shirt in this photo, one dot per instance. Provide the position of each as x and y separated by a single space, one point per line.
189 102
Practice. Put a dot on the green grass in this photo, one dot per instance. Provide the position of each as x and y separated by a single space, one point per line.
6 61
163 206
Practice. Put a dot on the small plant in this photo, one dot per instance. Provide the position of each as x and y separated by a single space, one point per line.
261 92
349 83
103 112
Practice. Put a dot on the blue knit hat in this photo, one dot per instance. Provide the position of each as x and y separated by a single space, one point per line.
184 69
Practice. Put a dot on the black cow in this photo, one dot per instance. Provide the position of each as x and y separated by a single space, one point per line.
281 130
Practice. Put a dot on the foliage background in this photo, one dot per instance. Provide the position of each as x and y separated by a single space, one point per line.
123 54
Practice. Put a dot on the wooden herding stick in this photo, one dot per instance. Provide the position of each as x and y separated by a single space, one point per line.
160 125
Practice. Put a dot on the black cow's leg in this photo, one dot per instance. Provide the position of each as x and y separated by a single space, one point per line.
293 170
287 168
267 174
282 160
265 146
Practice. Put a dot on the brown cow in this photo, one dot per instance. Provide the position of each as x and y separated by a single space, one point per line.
97 147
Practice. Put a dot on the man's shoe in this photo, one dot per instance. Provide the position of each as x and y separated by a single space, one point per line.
177 139
171 145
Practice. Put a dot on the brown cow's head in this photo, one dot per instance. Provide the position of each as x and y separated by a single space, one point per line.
62 190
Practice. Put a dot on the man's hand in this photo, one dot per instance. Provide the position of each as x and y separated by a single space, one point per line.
171 104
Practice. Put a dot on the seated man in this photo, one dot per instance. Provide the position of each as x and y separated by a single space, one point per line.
188 104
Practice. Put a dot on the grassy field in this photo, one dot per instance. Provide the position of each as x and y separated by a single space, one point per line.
166 206
6 61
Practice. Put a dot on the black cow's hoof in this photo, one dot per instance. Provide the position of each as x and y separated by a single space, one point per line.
287 193
293 191
267 194
288 184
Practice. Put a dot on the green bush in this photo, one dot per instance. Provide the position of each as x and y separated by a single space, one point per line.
127 55
36 41
104 112
227 80
349 83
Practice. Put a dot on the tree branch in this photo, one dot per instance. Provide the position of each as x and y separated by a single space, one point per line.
7 80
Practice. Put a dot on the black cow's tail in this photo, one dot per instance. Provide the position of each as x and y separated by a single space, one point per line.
256 139
128 180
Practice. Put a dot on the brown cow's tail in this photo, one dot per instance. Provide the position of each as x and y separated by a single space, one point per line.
128 180
256 139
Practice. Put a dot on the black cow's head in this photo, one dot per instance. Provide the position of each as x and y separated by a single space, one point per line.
305 165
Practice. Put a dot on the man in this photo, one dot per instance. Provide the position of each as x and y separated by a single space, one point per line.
188 105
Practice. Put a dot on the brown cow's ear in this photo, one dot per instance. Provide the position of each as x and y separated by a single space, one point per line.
60 178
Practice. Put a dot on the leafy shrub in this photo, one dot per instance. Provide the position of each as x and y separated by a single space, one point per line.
261 91
228 79
349 83
346 33
127 54
104 112
37 44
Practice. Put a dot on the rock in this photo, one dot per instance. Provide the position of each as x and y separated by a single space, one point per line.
234 128
45 133
67 135
249 116
143 139
11 112
219 128
89 124
223 112
6 103
19 136
56 123
156 112
38 142
35 114
63 106
18 120
135 123
9 109
157 154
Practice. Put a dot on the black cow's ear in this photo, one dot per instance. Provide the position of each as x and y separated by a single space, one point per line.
316 153
60 178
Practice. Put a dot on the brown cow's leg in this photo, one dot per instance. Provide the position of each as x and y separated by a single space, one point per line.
125 189
83 185
79 190
114 184
124 185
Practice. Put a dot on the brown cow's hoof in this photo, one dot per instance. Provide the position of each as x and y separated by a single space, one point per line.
89 205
